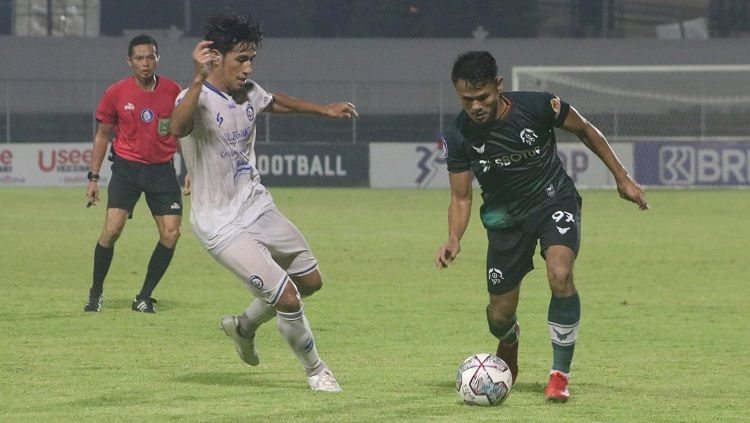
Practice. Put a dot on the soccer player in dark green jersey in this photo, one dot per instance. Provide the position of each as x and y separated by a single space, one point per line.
507 141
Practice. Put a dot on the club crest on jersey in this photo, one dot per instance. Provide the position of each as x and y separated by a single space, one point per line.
250 112
528 136
147 115
256 281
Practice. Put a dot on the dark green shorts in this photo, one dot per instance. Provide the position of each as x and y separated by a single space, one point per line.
510 251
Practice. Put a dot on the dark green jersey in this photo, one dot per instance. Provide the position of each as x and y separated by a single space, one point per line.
514 158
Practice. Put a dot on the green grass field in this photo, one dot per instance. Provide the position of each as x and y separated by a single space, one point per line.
664 334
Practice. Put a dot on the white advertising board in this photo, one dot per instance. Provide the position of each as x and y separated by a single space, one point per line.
421 165
51 165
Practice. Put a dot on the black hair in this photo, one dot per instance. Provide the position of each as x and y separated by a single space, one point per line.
475 67
227 30
142 39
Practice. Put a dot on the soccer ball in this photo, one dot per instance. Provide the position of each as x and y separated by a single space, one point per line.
483 379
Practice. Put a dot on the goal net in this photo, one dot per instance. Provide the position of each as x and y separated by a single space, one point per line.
674 126
631 102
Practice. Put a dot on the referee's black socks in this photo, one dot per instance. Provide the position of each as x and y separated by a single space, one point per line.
102 260
157 266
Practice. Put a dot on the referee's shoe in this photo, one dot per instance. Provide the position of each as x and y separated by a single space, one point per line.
94 304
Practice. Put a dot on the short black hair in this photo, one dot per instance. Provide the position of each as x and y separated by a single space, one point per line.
475 67
142 39
227 30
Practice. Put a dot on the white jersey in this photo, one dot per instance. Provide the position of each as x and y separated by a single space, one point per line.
219 153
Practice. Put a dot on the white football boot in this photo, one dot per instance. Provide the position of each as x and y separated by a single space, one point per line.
324 381
245 347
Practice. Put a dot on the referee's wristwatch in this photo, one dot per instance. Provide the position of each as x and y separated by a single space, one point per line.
93 177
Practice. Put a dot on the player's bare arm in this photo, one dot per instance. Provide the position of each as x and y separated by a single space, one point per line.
596 142
459 212
101 139
283 103
181 122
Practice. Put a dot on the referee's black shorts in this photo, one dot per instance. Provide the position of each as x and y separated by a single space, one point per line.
157 181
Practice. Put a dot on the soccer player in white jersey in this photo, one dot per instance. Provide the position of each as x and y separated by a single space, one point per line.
232 214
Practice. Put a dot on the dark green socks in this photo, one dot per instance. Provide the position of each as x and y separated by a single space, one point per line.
563 316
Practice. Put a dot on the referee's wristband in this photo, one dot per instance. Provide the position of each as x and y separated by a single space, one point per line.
93 177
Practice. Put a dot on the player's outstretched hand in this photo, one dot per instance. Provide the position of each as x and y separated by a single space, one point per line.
446 254
633 192
343 110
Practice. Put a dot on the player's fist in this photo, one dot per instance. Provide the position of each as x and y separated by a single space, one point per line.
343 110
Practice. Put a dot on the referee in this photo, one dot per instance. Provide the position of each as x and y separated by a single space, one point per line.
137 110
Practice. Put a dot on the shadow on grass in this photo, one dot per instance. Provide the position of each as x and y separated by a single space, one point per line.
237 379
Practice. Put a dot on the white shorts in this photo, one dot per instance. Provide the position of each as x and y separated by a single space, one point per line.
264 254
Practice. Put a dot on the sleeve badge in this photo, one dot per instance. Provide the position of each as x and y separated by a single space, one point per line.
555 103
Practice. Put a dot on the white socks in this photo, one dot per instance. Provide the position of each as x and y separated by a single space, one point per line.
295 328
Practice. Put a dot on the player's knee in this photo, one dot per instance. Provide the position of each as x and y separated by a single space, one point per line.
561 280
309 284
500 320
289 302
109 235
169 237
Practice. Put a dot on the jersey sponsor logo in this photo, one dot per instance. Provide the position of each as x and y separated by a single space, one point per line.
250 111
555 103
255 281
528 136
495 276
147 115
237 135
129 106
508 159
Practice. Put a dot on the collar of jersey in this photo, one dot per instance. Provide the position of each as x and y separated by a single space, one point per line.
214 89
